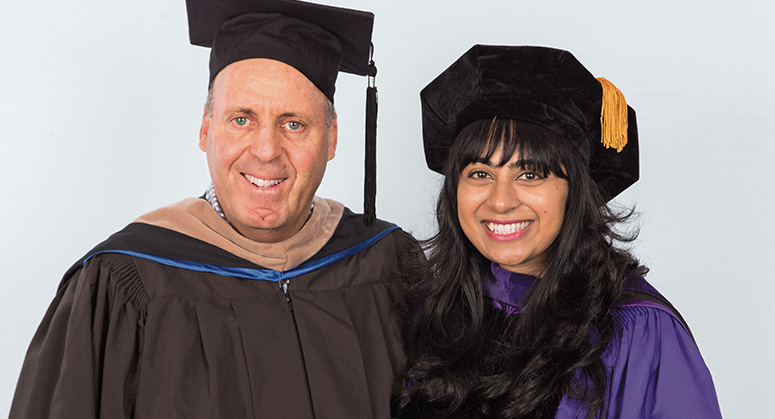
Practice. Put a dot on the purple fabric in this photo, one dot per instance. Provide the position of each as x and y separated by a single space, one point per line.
507 289
654 368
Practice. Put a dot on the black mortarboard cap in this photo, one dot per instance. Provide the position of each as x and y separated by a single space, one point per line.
317 40
539 85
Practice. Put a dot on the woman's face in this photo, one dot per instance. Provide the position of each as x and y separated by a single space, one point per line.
511 214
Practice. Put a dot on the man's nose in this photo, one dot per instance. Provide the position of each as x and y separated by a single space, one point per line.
266 144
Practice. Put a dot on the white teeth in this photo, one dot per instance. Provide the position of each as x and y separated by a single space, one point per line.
507 228
262 183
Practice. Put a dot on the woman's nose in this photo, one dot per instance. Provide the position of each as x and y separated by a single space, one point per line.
504 196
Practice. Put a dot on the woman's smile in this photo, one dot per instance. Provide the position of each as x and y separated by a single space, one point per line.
506 230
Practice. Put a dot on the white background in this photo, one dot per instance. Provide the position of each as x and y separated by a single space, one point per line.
100 105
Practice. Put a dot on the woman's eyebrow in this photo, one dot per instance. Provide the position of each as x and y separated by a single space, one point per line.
519 164
524 164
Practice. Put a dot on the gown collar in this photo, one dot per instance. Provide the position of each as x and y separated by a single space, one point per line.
196 218
507 289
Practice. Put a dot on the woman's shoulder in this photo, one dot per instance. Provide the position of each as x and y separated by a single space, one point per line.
654 364
642 301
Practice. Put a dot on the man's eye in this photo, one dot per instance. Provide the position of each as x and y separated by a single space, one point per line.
293 125
241 121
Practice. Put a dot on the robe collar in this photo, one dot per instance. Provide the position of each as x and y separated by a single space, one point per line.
508 290
195 217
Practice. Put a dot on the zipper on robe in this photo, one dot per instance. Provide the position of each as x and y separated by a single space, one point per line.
284 287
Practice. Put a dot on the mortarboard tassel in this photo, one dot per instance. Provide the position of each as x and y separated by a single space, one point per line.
613 116
370 164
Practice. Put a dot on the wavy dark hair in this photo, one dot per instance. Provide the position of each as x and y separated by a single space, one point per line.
469 359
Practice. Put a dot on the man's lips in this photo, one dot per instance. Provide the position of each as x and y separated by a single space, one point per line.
262 183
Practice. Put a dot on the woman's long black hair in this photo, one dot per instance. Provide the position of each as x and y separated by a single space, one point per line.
469 359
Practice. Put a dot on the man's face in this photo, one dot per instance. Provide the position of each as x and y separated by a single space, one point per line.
267 146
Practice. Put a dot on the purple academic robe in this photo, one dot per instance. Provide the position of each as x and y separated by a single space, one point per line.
655 370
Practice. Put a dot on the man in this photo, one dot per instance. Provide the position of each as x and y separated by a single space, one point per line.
259 299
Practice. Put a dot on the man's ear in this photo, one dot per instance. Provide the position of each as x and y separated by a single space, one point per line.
333 131
203 131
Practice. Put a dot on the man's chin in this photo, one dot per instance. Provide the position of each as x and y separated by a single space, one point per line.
271 228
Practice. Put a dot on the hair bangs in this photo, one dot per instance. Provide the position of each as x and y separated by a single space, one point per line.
539 149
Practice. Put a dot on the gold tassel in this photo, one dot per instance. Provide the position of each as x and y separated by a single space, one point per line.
613 116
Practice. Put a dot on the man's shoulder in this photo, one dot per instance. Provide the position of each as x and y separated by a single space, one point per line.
376 253
351 232
351 224
159 243
139 237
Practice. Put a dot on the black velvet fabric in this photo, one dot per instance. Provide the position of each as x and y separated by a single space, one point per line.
315 39
545 86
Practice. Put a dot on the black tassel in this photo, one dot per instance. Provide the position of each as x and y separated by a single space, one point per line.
370 164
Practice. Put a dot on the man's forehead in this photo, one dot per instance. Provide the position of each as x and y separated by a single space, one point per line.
265 70
268 84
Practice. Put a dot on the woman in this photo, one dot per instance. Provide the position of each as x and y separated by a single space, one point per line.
527 309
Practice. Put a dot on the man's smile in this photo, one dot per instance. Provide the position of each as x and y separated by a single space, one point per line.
262 183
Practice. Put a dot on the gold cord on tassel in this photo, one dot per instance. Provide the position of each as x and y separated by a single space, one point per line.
613 116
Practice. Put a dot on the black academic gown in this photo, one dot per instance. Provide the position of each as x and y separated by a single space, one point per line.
156 324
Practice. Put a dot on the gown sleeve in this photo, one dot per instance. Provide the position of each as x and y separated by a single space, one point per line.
657 370
83 360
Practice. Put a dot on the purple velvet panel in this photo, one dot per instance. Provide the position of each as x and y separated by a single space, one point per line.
654 368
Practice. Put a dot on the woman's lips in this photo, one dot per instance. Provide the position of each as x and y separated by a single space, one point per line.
507 230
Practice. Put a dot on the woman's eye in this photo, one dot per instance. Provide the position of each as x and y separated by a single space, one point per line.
478 174
530 176
293 125
240 121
